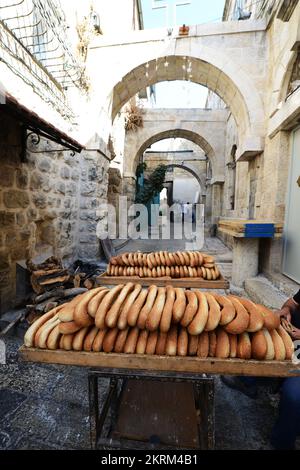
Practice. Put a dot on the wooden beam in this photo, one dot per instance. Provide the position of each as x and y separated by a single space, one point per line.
161 363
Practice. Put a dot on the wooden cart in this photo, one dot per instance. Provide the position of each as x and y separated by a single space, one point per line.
187 282
120 368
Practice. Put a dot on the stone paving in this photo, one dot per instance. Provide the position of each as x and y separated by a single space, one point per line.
46 407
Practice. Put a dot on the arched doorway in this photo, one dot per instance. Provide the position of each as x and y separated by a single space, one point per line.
210 70
134 154
188 177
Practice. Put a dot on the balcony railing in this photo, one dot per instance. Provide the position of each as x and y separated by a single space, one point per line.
40 26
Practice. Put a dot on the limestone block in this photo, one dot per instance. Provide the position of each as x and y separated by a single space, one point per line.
10 238
62 241
6 176
22 178
36 181
88 189
92 173
40 201
65 172
67 202
7 219
71 189
245 260
21 219
19 252
182 46
86 215
251 147
75 175
25 235
44 164
15 199
52 201
32 214
124 95
69 159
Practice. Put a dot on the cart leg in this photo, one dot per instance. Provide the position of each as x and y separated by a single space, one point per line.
94 409
205 398
210 399
109 402
197 395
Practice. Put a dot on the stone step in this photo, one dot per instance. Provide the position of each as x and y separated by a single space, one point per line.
226 269
262 291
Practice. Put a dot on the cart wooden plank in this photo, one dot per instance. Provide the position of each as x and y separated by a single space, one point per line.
239 224
156 413
236 227
237 234
161 363
196 282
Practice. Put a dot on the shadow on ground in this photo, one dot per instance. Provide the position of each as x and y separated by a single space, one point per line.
46 407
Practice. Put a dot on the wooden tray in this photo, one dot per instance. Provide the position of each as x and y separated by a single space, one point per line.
221 283
161 363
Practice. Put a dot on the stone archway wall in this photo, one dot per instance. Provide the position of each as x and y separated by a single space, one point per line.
193 171
206 128
198 126
227 57
170 68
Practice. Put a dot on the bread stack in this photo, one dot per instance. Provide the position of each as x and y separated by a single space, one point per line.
182 264
164 321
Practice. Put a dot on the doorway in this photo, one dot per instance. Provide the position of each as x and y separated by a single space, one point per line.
291 258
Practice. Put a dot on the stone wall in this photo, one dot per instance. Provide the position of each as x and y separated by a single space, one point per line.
115 188
92 192
47 204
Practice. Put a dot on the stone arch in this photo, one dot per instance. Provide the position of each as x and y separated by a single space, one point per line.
192 171
283 75
205 66
167 134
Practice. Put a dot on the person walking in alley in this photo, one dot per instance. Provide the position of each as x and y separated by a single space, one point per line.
287 425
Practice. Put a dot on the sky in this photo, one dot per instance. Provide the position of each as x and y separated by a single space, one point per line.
199 11
181 94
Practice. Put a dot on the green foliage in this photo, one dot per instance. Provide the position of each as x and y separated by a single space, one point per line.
152 186
140 169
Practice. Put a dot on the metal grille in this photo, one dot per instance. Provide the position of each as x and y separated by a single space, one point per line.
40 26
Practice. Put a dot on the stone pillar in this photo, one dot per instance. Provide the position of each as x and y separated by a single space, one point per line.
215 206
245 260
129 186
93 193
216 202
114 191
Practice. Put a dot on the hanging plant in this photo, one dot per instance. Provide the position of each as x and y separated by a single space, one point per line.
140 169
133 117
153 185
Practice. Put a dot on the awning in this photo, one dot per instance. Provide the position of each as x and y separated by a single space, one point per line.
34 123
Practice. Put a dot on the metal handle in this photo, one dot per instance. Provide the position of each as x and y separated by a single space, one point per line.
298 181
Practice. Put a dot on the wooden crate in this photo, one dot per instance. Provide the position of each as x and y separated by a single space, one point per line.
161 363
196 282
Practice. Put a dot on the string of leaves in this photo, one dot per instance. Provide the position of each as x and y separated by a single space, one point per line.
152 186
